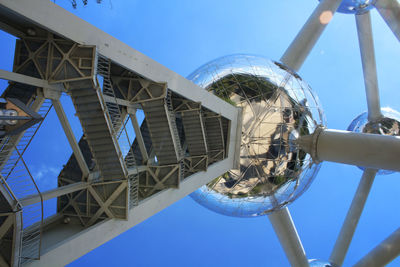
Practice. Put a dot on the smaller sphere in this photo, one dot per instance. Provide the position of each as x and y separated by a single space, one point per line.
389 124
319 263
355 6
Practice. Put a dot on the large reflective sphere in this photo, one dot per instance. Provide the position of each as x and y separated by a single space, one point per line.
278 107
355 6
319 263
389 124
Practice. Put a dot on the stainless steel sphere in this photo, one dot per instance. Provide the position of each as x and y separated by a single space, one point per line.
388 124
319 263
355 6
277 108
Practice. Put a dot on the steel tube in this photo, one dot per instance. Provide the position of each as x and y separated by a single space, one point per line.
390 12
288 237
384 253
353 216
305 40
53 193
71 137
368 150
364 31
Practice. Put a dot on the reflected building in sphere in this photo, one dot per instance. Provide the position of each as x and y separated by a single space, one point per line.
355 6
277 108
388 124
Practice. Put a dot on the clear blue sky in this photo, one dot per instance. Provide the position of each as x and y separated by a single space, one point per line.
183 35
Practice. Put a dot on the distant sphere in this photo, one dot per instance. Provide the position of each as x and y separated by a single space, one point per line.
319 263
389 124
278 107
355 6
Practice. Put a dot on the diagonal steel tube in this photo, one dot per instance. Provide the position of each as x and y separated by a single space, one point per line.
288 237
294 57
384 253
364 31
390 12
353 216
305 40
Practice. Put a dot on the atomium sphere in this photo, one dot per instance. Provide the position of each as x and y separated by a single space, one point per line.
277 108
389 124
319 263
355 6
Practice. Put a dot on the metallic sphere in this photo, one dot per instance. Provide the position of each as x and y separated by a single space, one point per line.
277 108
388 124
319 263
355 6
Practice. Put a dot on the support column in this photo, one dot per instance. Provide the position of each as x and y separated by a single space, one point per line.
390 12
305 40
71 137
366 41
384 253
288 237
139 137
368 150
353 216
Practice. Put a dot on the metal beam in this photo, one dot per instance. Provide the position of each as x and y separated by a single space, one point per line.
14 140
138 133
353 216
80 243
364 31
53 193
288 237
305 40
368 150
5 226
384 253
71 137
54 18
390 12
25 79
104 205
121 102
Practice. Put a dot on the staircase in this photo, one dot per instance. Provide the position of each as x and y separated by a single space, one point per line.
163 131
91 112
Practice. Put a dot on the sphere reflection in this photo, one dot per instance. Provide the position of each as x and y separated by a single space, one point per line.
354 6
277 108
389 124
319 263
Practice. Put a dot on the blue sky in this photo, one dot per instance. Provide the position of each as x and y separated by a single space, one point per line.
183 35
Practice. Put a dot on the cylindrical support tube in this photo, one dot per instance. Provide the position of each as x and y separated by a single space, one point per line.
353 216
53 193
305 40
384 253
366 42
288 237
70 136
368 150
390 12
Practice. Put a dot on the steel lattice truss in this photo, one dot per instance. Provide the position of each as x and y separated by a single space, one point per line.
112 181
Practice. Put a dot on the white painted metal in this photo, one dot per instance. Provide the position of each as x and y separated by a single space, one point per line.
353 216
66 249
390 12
305 40
288 237
366 41
71 137
138 134
56 19
53 193
369 150
16 77
384 253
